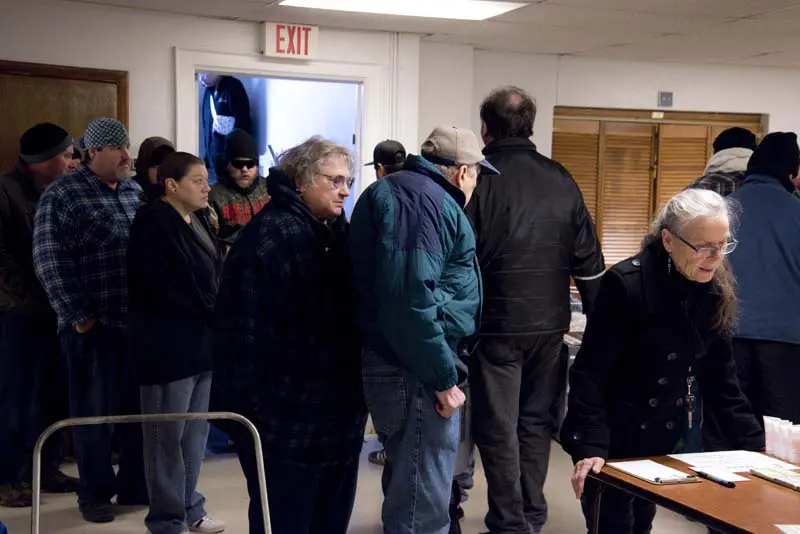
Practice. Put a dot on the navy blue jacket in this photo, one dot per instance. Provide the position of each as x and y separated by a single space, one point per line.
767 260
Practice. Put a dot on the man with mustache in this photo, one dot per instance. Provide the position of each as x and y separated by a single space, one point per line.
79 251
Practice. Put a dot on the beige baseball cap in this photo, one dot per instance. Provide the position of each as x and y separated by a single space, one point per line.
449 145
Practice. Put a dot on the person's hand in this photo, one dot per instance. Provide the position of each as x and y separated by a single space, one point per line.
582 470
448 401
85 326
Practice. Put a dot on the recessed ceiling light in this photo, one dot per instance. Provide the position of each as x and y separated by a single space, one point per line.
438 9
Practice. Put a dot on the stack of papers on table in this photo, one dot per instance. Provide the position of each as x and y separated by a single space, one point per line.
789 529
732 461
653 472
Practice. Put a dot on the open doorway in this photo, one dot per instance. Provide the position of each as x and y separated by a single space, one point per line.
284 112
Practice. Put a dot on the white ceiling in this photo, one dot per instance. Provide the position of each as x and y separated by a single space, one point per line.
743 32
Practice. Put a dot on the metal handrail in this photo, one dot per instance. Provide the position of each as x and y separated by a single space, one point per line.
148 418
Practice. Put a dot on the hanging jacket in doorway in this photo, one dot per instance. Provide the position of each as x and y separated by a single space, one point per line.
232 207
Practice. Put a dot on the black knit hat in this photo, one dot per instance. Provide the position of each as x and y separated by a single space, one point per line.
778 155
735 137
240 145
43 142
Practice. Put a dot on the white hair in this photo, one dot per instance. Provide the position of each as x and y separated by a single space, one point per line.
450 171
691 204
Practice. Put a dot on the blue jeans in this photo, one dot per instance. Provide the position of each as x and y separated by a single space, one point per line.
102 382
173 453
421 448
33 393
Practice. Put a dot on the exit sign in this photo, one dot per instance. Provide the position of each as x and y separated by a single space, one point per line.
296 41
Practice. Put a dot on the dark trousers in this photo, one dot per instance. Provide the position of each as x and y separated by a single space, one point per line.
620 512
303 498
515 380
101 382
768 372
33 393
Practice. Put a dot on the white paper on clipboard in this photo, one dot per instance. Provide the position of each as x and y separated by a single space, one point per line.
653 472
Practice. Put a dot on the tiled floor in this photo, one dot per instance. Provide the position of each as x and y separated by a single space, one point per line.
223 484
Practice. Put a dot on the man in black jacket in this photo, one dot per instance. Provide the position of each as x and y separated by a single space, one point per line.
32 387
225 107
533 232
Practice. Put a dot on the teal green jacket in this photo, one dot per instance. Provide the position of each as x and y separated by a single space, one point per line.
416 274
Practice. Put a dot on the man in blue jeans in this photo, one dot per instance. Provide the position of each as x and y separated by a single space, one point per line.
80 243
417 280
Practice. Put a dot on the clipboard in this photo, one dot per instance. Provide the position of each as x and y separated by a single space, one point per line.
654 472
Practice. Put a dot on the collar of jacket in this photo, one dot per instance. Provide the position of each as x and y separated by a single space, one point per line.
730 160
25 179
770 175
284 194
420 165
509 144
659 284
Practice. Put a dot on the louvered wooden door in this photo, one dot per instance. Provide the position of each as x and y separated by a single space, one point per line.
626 179
576 146
682 157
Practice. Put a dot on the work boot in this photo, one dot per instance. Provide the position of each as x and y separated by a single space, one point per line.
17 495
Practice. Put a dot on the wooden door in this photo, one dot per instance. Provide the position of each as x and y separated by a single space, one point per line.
682 158
626 178
67 96
576 146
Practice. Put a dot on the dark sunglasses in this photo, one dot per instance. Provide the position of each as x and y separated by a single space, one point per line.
244 163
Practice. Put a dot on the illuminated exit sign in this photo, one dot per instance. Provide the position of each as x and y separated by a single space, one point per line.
296 41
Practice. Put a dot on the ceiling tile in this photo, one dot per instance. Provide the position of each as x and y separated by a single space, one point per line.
611 19
731 8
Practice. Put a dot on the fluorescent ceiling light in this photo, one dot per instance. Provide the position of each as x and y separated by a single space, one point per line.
438 9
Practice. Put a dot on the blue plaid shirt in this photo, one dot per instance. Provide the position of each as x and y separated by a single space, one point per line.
80 242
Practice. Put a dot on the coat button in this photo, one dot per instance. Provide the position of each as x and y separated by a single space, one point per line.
653 403
636 263
671 357
679 402
577 435
663 381
643 426
670 425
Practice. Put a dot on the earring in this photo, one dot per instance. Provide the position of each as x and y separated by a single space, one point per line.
669 265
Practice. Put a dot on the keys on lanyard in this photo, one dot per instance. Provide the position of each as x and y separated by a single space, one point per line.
690 398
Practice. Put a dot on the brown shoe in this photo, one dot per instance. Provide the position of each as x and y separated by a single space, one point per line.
16 495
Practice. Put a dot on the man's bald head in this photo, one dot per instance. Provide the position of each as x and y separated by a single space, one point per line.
507 112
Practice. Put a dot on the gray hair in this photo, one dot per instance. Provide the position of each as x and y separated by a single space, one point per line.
691 204
450 171
303 162
682 209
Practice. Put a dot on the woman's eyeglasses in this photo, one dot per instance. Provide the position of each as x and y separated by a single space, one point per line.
707 251
244 163
339 182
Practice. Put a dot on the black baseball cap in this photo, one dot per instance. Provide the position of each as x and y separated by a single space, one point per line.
388 153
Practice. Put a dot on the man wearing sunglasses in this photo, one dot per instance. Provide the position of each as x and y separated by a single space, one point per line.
240 192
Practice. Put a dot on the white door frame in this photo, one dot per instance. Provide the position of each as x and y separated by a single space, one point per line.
375 117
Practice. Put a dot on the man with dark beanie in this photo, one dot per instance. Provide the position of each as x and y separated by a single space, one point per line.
726 169
32 385
240 192
767 267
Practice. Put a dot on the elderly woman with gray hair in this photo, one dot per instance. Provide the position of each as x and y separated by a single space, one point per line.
288 353
662 324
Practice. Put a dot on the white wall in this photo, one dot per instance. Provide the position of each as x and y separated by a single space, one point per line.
142 43
570 81
446 79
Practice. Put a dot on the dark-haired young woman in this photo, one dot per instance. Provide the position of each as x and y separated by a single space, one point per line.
174 265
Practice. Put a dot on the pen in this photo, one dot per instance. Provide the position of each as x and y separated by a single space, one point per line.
712 478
